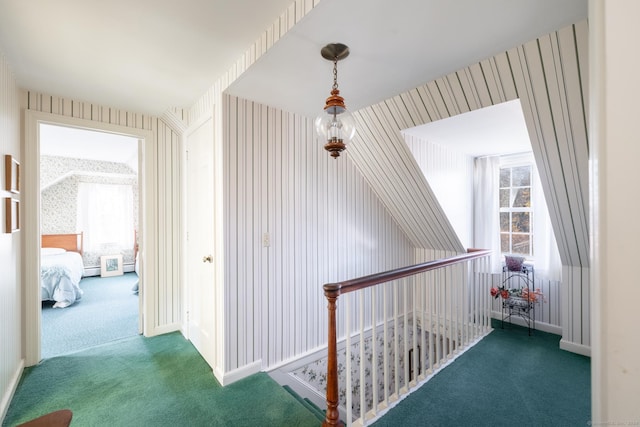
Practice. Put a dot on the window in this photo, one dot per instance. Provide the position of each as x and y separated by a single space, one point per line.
105 214
516 210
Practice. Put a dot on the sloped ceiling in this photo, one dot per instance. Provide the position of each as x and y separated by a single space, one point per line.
144 56
394 46
549 75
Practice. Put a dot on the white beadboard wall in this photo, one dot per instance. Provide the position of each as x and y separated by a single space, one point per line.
549 75
382 156
162 171
451 173
325 225
450 176
11 361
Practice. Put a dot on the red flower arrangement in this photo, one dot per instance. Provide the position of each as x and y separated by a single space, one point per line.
500 292
524 293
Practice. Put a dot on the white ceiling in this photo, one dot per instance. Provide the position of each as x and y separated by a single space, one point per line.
86 144
151 55
394 46
138 55
499 129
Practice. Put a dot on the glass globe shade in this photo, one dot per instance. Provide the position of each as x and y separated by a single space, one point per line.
340 125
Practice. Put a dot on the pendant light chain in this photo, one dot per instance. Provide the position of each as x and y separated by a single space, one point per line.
335 73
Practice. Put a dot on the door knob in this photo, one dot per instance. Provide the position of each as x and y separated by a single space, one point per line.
207 258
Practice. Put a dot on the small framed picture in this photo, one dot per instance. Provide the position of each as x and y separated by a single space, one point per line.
12 215
110 265
11 174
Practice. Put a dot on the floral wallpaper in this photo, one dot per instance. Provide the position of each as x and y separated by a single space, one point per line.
314 374
59 178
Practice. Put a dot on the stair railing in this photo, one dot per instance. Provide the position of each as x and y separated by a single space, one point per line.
407 323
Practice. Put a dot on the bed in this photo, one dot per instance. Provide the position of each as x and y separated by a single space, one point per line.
61 268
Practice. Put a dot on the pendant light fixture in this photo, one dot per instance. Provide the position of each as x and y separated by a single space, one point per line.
335 124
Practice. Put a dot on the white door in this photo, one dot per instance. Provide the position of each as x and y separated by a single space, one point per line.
200 260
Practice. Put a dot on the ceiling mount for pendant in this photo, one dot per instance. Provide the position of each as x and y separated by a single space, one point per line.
335 51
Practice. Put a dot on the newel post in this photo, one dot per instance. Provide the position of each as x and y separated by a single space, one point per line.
332 417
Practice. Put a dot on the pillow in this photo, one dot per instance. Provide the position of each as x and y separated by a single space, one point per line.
51 251
514 263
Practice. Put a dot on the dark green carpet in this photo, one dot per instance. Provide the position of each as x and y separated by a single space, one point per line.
159 381
507 379
108 311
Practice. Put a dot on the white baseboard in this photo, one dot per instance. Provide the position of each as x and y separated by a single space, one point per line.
226 378
10 391
575 348
540 326
164 329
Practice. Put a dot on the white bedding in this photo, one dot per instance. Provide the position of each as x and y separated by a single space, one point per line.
60 275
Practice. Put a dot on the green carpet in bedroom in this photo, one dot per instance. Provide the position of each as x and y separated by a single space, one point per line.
159 381
108 311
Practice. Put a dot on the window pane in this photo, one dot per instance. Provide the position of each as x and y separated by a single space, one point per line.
504 242
521 244
521 176
504 198
522 197
505 177
520 222
504 221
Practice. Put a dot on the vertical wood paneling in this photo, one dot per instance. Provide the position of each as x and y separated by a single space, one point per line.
450 175
325 224
11 362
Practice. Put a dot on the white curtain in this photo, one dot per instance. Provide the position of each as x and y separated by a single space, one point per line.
105 215
486 221
547 257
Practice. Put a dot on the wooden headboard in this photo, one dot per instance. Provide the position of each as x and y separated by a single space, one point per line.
69 242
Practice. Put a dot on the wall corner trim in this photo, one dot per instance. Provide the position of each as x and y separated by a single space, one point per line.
174 122
7 394
226 378
575 348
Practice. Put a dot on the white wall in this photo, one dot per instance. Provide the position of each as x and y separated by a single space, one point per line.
449 173
11 361
325 225
614 177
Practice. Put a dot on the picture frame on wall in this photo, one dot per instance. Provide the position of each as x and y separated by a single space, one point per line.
111 265
12 215
12 174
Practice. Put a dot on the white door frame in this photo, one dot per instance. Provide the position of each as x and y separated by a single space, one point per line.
30 220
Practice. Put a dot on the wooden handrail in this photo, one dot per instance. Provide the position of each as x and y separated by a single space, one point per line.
353 285
333 290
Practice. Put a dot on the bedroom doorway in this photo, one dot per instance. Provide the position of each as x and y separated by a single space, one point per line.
89 191
30 222
88 186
